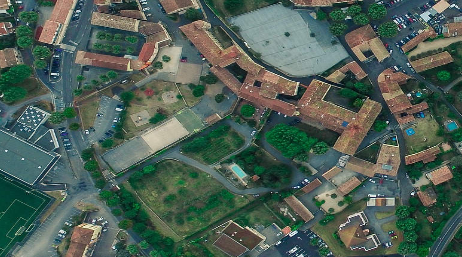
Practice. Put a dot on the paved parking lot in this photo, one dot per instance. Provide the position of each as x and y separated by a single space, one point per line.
105 243
300 242
103 123
389 188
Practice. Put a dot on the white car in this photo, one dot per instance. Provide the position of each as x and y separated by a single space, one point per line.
144 3
87 132
146 9
148 15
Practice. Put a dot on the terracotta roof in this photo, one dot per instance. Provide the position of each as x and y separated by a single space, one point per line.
427 197
440 175
432 61
348 186
229 246
174 6
355 131
9 57
135 14
245 236
314 3
101 60
311 186
440 6
101 2
114 21
60 15
364 39
49 32
80 239
286 230
389 75
388 160
352 235
149 28
5 4
331 173
361 166
252 94
214 118
453 29
427 33
338 75
6 28
426 156
299 208
62 10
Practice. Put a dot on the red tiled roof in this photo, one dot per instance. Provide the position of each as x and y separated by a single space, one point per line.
425 155
427 33
286 230
174 6
299 208
61 10
245 236
440 175
5 28
102 60
311 186
49 32
427 197
80 239
229 246
315 3
252 94
114 21
364 39
331 173
348 186
432 61
135 14
338 75
388 160
361 166
147 51
9 57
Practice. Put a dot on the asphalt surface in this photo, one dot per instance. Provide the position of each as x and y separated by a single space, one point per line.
298 245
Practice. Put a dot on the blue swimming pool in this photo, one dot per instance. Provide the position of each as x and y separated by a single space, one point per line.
452 126
410 131
239 172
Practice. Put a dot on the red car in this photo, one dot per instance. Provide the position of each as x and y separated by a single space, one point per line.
184 59
386 45
21 7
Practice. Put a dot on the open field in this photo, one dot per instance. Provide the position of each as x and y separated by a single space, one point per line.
425 135
217 147
88 110
392 226
19 207
260 215
186 198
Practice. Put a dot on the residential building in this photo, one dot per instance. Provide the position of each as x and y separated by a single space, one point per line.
176 6
115 22
6 28
427 197
10 57
424 35
83 240
299 208
354 234
366 45
236 240
103 61
440 175
338 75
425 156
452 29
334 171
4 6
55 27
311 186
135 14
349 185
321 3
432 61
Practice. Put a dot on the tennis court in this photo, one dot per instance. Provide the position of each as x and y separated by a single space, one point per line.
19 208
189 120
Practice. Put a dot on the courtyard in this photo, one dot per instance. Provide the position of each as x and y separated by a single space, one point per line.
425 134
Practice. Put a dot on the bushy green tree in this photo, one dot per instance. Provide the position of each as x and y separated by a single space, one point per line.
24 42
14 94
348 93
158 117
91 165
41 52
402 212
87 154
24 30
193 14
443 75
57 117
112 74
219 98
290 141
410 236
337 15
353 10
69 112
358 103
338 28
234 6
40 64
74 126
407 248
127 96
198 91
158 65
320 15
209 79
131 39
80 78
108 143
125 224
388 29
377 11
320 148
247 110
166 58
28 17
380 125
361 19
407 224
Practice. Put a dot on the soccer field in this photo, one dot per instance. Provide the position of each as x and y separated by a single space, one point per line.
19 208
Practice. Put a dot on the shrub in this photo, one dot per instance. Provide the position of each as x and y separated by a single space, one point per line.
198 91
247 110
219 98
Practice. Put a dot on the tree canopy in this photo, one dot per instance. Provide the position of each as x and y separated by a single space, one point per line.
338 28
407 248
388 29
14 94
377 11
40 64
290 141
69 112
443 75
30 17
24 42
234 5
247 110
41 52
402 212
209 79
337 15
193 14
361 19
320 15
57 117
320 148
24 30
380 125
353 10
407 224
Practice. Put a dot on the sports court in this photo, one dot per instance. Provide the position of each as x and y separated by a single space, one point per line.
19 208
189 120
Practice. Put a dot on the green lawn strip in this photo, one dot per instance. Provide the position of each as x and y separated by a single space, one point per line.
383 215
392 226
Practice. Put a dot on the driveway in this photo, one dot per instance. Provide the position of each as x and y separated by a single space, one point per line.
389 188
376 224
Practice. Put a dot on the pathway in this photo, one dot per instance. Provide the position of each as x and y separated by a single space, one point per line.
450 85
433 45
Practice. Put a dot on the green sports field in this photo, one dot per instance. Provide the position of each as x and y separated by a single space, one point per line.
189 120
19 208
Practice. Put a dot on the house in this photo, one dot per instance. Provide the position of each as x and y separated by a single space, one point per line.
320 3
338 75
176 6
366 45
103 61
440 175
354 234
6 28
83 240
4 6
349 185
425 156
311 186
299 208
427 197
10 57
432 61
452 29
55 27
398 103
236 240
424 35
360 166
115 22
381 201
328 175
388 160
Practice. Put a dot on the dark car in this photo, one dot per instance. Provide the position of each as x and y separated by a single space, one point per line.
63 134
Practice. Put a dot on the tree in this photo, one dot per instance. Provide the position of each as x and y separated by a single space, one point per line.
24 30
337 15
17 74
112 74
457 161
125 224
80 78
40 64
320 148
247 110
348 93
320 15
402 212
28 17
41 52
363 88
69 112
358 103
388 29
158 117
105 194
406 224
158 65
451 254
407 248
74 126
104 78
129 49
380 125
196 144
193 14
443 75
287 34
361 19
95 82
57 117
127 96
118 37
353 10
144 245
14 94
116 212
198 91
410 236
133 249
166 58
377 11
234 5
87 154
24 42
107 143
131 39
209 79
338 28
290 141
423 251
219 98
91 165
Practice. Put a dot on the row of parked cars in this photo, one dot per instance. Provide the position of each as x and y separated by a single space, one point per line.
390 3
404 21
78 10
56 64
65 138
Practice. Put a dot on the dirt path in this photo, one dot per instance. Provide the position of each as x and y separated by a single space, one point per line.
439 43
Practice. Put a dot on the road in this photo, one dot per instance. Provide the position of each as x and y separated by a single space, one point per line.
449 230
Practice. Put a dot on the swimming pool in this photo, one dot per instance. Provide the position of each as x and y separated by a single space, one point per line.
410 131
238 171
452 126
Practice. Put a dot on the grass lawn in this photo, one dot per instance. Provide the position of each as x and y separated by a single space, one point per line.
382 215
260 215
218 148
370 153
186 198
87 110
426 231
222 37
425 135
33 87
190 99
249 5
325 135
392 226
